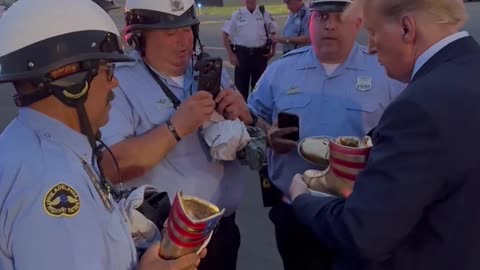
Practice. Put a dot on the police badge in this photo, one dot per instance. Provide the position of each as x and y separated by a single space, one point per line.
176 5
364 83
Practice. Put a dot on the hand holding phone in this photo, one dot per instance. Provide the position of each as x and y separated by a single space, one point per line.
288 120
283 138
209 74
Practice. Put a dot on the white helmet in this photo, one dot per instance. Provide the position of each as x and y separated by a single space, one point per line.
159 14
327 6
143 15
55 33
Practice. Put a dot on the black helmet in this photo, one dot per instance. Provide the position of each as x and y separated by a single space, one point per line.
107 5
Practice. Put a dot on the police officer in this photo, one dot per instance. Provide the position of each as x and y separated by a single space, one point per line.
56 211
336 89
295 32
157 112
248 39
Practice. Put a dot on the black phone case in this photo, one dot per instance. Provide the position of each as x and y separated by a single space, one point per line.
209 74
286 120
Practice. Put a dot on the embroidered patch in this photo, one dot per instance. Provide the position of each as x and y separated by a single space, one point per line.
61 201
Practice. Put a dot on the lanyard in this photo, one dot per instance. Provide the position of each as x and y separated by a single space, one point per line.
103 187
105 195
170 95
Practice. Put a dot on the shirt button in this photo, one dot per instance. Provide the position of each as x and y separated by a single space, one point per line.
47 135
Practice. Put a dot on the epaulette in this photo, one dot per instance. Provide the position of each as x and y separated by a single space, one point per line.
125 64
296 51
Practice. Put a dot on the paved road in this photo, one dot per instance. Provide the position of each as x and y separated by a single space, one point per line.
258 251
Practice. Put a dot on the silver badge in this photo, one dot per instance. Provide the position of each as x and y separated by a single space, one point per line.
176 5
364 83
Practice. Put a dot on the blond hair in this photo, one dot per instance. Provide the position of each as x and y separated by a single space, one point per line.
450 12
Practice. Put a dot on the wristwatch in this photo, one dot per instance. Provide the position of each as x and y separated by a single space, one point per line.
172 129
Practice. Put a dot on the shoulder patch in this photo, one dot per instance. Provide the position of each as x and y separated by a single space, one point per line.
61 201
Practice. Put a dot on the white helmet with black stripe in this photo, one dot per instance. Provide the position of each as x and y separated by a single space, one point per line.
327 6
40 37
141 15
163 14
55 33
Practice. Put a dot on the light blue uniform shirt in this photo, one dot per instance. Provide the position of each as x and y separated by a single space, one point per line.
295 26
39 154
140 105
349 102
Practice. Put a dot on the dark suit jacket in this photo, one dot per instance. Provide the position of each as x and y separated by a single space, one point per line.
417 204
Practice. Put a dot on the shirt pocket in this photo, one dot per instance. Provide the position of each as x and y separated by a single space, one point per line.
364 115
241 25
293 103
363 106
157 112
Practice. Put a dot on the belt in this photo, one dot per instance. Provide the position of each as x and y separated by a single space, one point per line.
251 51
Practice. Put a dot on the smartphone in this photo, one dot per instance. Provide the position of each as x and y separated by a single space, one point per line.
286 120
209 74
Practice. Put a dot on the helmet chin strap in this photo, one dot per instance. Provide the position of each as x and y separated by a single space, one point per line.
197 41
85 125
76 99
76 96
